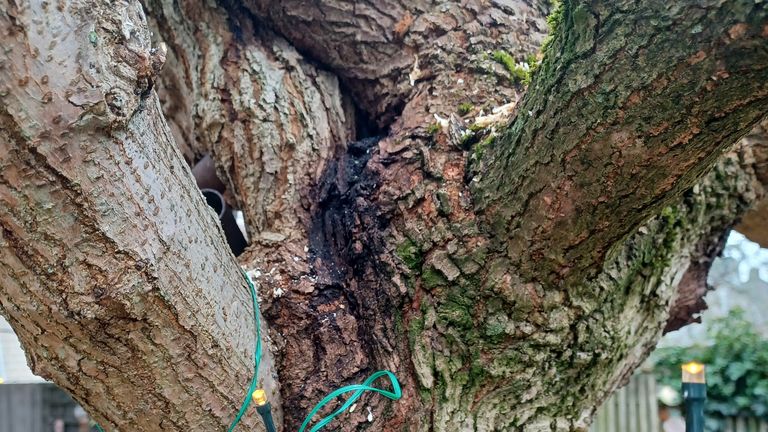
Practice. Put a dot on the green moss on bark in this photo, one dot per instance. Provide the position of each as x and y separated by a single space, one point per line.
432 278
410 254
517 73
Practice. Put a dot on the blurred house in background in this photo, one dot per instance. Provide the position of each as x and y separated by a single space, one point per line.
27 402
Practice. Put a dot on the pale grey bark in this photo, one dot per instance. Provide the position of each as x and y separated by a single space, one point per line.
114 273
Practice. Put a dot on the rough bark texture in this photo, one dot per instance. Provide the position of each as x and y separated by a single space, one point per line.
626 94
382 49
511 266
336 316
491 348
271 120
114 274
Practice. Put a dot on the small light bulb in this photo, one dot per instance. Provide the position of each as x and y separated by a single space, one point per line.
259 397
693 372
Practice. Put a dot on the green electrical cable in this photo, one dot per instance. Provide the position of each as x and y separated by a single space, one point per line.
256 355
359 389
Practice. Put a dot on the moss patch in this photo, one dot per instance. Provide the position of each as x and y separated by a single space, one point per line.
465 108
410 254
533 60
518 74
432 278
554 20
482 146
455 313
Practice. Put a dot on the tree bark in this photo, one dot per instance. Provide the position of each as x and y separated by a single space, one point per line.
271 120
601 103
398 43
114 273
512 262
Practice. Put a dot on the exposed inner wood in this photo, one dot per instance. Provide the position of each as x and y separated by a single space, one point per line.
754 224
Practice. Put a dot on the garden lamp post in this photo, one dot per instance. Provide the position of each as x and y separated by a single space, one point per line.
694 395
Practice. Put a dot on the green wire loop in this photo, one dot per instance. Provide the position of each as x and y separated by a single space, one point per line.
256 356
358 390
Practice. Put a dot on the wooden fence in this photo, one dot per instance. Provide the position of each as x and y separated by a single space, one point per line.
743 424
633 408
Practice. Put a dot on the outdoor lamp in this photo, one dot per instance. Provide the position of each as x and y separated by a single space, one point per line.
694 395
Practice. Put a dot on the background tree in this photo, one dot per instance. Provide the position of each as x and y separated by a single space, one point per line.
506 219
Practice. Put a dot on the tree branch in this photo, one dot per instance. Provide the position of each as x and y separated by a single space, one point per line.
115 275
643 98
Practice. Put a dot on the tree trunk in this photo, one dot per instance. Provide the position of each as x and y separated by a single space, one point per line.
512 253
114 273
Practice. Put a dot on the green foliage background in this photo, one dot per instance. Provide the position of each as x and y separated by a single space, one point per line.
737 369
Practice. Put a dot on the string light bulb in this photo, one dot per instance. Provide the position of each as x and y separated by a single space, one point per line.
693 372
259 397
